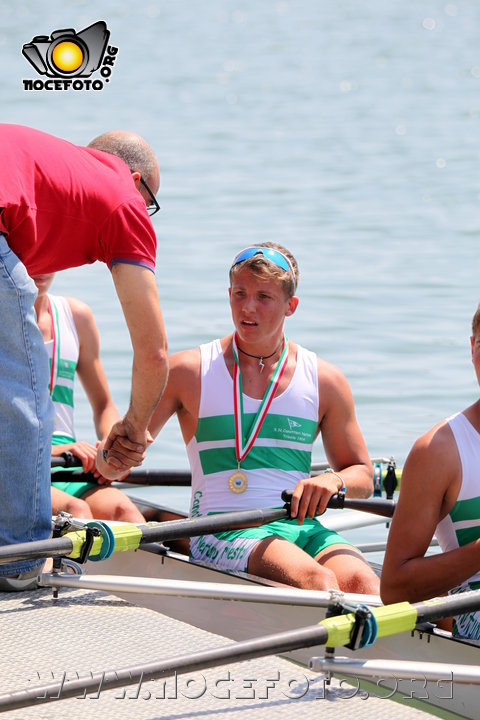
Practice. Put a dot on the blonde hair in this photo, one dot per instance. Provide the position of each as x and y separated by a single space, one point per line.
263 268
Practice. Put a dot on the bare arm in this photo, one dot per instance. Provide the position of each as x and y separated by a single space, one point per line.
137 292
181 397
94 381
430 484
344 447
90 369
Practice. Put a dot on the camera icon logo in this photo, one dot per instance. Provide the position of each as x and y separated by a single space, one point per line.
68 54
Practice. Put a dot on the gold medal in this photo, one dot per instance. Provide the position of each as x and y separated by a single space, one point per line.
238 482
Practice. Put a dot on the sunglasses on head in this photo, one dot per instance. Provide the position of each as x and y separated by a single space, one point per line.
275 256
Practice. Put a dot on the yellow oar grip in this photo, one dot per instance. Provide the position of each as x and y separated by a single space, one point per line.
391 619
127 537
394 619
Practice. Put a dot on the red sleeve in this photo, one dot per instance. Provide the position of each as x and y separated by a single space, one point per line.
127 236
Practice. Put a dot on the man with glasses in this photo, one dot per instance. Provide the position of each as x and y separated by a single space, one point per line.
61 206
250 406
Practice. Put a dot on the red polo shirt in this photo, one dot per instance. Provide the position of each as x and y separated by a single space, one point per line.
63 205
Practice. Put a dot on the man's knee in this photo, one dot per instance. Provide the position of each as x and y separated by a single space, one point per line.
361 580
75 506
318 577
124 510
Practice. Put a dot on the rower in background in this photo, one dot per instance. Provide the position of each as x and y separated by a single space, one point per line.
440 494
250 407
72 342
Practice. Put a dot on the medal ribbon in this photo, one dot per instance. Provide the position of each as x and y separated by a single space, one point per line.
56 345
244 444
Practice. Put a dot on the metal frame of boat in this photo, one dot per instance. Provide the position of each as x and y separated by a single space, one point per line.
246 608
229 604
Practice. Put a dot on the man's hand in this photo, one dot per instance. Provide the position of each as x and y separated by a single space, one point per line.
123 449
311 495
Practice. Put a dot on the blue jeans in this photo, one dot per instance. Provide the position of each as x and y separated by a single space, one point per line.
26 414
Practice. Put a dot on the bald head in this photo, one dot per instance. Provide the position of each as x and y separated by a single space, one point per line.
134 151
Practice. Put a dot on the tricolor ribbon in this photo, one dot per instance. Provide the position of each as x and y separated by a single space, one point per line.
56 345
244 443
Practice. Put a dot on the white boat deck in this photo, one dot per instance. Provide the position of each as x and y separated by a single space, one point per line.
85 632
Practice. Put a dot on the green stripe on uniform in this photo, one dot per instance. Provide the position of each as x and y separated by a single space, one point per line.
275 427
66 369
224 459
466 510
216 427
467 535
63 395
61 439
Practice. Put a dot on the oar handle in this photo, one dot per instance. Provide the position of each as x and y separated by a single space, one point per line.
65 460
140 476
336 502
376 506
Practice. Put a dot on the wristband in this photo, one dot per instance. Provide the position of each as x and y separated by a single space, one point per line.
343 489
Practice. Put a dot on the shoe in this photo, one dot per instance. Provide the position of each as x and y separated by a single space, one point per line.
23 581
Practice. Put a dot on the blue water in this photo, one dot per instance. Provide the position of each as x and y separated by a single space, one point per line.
349 132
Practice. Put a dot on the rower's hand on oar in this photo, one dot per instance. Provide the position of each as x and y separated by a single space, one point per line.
311 496
84 451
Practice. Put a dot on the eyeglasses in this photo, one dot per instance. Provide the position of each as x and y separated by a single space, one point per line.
153 207
275 256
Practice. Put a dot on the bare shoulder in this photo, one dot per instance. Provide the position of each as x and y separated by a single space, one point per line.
328 370
331 378
184 378
437 445
82 314
433 461
86 326
185 364
181 394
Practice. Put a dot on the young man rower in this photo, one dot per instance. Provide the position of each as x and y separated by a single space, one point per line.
250 406
440 495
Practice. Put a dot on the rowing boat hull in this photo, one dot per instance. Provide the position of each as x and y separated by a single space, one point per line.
243 620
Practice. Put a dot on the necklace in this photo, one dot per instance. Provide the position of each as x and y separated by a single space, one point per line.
260 358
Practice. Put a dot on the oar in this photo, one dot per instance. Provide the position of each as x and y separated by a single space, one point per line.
332 632
138 476
67 461
376 506
129 537
126 536
141 476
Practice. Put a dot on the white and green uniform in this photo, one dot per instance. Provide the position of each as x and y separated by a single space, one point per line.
63 350
280 457
462 524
